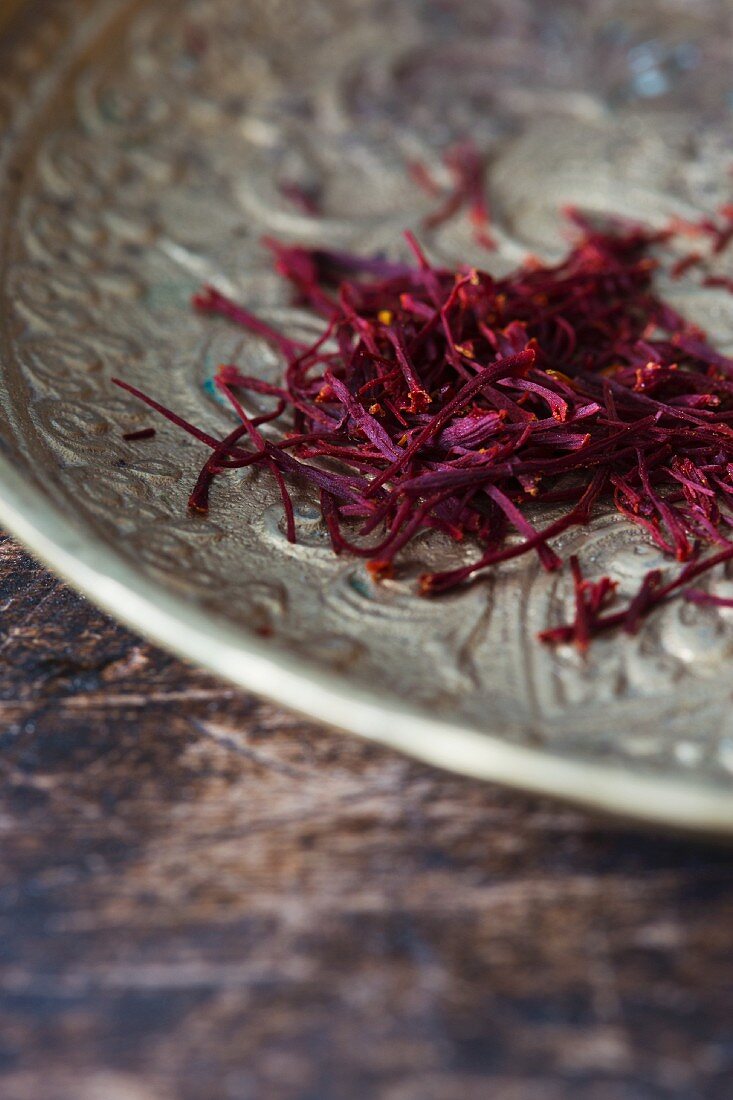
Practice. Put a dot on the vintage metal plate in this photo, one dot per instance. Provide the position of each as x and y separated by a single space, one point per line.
141 148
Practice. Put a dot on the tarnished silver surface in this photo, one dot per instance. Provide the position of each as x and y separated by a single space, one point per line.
142 147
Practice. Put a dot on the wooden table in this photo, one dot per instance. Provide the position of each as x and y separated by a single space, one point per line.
203 897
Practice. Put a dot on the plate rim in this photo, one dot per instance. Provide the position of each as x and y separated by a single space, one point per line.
91 566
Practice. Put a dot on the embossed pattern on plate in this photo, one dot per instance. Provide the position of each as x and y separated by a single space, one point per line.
142 146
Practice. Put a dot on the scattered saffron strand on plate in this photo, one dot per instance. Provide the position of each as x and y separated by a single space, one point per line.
468 191
455 401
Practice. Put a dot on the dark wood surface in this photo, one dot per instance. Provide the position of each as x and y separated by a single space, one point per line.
203 897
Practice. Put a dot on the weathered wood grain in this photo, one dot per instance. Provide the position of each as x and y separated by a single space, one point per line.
205 898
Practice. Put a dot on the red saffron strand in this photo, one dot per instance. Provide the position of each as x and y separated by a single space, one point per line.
468 191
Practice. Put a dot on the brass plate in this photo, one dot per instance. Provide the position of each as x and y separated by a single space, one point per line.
141 147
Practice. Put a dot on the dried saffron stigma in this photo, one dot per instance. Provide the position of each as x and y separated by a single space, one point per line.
463 403
467 169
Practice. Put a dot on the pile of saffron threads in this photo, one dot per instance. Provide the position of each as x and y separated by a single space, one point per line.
460 402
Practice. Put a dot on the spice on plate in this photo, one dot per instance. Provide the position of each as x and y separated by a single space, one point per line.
473 405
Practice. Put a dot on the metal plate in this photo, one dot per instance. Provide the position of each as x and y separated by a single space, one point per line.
141 148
